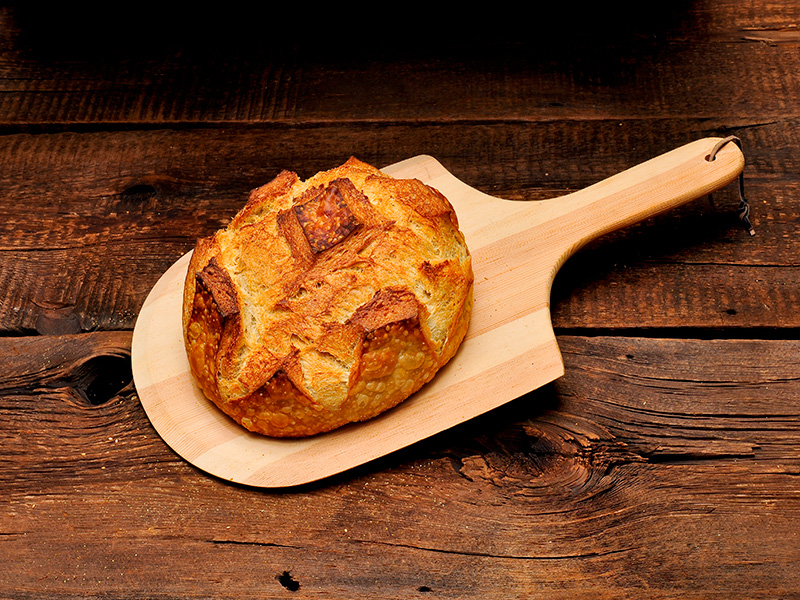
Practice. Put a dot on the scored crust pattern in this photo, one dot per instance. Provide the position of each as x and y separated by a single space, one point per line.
326 301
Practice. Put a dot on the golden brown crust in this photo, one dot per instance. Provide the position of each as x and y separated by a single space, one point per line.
325 217
326 301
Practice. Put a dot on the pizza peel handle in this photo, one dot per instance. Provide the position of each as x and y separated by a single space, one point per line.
518 247
653 187
510 348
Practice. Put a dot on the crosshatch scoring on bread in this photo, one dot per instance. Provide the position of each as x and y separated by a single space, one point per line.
326 301
326 218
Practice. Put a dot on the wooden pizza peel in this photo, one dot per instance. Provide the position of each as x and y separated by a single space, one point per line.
510 348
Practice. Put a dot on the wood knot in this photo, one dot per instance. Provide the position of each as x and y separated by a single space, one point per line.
143 193
548 459
140 191
101 378
136 198
58 320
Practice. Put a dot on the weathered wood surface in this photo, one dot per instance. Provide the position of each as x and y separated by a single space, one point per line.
664 464
655 468
120 207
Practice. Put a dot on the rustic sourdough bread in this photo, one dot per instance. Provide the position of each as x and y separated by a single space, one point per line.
326 301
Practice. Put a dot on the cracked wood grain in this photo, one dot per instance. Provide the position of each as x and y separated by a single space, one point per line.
653 468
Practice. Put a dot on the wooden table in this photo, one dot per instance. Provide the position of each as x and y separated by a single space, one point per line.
664 464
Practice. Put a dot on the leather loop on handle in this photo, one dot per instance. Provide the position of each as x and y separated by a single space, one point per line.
744 205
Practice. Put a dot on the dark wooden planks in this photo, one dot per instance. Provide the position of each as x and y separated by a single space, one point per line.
656 468
686 58
88 222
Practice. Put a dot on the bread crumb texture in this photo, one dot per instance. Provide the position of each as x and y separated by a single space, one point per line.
326 301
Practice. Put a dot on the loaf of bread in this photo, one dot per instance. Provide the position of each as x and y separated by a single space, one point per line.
326 301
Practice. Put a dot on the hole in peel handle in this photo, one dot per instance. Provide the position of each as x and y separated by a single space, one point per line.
744 205
648 189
